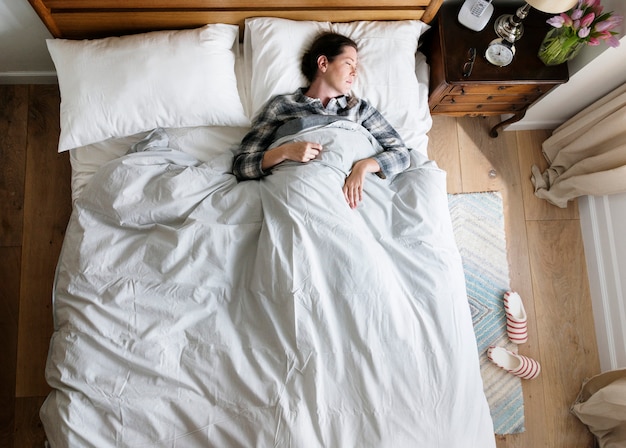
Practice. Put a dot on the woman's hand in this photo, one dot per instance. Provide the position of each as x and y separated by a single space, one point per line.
353 187
297 151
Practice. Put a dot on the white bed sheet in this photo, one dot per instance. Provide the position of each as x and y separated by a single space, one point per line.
194 310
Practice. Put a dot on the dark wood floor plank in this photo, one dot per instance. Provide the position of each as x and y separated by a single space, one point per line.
29 431
10 261
47 208
13 134
13 137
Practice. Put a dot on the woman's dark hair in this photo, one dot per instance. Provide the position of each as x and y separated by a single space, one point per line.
326 44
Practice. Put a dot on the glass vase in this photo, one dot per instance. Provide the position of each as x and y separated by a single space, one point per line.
559 46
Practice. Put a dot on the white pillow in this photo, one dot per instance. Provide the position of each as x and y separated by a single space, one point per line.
120 86
386 72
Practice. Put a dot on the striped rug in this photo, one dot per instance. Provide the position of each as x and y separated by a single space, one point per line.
478 223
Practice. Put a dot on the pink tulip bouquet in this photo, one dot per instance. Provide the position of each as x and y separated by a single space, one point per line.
585 24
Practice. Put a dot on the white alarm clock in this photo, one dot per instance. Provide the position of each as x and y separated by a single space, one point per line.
500 52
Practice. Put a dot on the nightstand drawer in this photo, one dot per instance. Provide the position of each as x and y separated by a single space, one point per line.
488 98
501 89
477 109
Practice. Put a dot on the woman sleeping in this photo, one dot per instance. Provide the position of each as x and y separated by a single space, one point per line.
330 65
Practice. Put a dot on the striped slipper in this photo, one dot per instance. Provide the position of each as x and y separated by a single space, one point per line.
516 321
518 365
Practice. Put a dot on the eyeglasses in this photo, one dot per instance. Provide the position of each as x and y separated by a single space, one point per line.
469 64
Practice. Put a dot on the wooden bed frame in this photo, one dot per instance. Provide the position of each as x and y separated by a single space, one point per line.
83 19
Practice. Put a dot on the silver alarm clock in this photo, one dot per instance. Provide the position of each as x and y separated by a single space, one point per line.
500 52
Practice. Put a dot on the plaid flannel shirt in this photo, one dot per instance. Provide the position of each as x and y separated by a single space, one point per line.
283 108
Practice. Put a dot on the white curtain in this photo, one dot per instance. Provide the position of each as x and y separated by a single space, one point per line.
587 154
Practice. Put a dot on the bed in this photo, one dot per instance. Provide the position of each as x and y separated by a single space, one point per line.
192 310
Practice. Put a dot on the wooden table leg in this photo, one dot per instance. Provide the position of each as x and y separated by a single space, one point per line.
517 117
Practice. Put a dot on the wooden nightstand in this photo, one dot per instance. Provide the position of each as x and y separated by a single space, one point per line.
488 90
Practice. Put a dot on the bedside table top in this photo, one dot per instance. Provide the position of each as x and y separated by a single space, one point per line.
456 40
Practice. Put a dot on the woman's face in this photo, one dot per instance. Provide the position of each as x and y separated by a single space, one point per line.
341 72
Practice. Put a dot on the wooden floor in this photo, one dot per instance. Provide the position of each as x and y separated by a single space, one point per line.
545 249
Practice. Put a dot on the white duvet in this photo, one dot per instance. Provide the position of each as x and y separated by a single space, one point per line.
195 311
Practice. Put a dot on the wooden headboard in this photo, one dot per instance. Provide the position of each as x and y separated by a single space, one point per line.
84 19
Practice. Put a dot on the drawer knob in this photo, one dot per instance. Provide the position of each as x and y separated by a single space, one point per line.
501 87
490 97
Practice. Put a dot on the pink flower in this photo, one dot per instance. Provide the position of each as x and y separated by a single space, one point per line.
590 3
613 41
609 23
567 20
604 26
577 14
556 21
587 20
584 32
594 41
